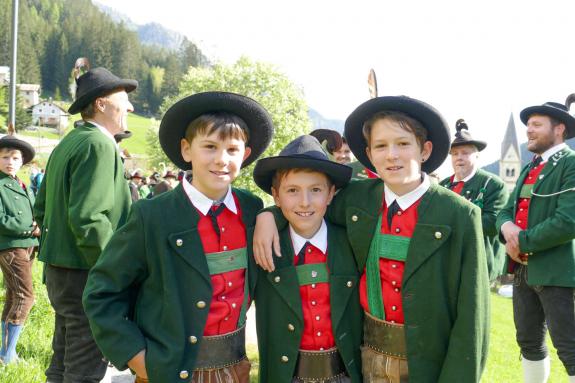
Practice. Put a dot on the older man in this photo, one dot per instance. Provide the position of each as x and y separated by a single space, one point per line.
538 227
83 199
480 187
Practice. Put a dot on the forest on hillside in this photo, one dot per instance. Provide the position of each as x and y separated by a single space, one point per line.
54 33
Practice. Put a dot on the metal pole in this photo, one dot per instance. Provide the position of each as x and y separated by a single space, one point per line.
12 112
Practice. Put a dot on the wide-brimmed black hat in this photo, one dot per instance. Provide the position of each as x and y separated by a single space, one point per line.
12 142
428 116
305 152
552 109
178 117
96 83
463 136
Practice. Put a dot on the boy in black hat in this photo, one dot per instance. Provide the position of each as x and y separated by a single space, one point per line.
424 286
314 288
169 295
18 236
482 188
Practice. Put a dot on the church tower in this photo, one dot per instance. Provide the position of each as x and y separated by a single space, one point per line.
510 162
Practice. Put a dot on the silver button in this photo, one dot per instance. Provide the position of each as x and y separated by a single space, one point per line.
438 235
317 317
226 318
314 274
393 283
193 340
349 283
313 285
393 266
225 247
399 213
223 229
201 304
285 359
318 333
354 218
184 374
518 221
229 284
223 297
179 242
277 279
541 176
309 249
397 230
46 230
19 211
396 290
313 303
291 327
394 308
16 197
234 305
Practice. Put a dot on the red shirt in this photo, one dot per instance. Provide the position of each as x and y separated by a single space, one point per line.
228 288
315 301
391 271
458 186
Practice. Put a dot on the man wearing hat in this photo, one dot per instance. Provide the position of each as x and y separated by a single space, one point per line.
18 236
320 335
135 184
83 199
482 188
537 226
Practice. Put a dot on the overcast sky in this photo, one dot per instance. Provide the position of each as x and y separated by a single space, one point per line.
477 60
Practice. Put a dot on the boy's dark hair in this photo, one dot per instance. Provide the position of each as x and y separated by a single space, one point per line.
280 174
406 122
9 149
226 124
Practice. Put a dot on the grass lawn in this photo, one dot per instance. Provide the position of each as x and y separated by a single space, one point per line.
34 348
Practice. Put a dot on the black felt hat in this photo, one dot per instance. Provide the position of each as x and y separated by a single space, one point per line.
12 142
178 117
463 137
552 109
428 116
305 152
96 83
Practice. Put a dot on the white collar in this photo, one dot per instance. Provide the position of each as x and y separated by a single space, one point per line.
104 131
318 240
470 176
203 203
550 152
406 200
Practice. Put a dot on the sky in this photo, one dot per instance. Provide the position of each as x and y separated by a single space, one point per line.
477 60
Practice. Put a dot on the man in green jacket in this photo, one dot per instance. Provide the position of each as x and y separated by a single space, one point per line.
538 228
83 199
482 188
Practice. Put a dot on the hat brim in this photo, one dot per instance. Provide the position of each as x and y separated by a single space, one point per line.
556 113
265 169
85 100
178 117
428 116
25 148
480 145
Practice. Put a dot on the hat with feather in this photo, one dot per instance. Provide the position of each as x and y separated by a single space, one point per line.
463 136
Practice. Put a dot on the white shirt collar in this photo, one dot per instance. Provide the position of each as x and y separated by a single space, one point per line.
550 152
470 176
203 203
104 131
318 240
410 198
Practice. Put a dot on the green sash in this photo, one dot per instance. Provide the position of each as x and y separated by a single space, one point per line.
312 273
382 246
526 190
226 261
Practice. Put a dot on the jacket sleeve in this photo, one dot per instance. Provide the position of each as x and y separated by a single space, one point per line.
111 291
469 338
495 199
505 215
92 177
559 227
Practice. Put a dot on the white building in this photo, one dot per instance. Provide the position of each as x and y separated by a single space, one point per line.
30 94
510 162
4 75
49 114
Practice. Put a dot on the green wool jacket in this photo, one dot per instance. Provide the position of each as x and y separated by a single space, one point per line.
550 236
278 308
83 198
491 200
15 214
445 291
144 291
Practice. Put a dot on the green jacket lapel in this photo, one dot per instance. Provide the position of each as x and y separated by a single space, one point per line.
549 167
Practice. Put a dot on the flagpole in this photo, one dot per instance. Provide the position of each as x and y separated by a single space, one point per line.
12 110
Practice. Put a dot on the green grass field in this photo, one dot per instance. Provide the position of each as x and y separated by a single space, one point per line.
34 349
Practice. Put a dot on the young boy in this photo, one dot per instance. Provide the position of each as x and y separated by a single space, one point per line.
313 291
424 288
18 236
168 296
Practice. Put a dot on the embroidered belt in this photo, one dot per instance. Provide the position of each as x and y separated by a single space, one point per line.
221 351
384 337
319 365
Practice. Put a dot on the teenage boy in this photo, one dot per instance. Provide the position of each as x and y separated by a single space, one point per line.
538 228
169 294
18 233
482 188
424 286
314 289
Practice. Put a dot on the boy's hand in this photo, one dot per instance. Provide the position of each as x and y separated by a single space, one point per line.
138 364
35 229
266 238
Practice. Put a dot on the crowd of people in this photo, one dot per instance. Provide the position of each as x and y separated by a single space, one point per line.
364 270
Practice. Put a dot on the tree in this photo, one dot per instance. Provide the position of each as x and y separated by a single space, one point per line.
260 81
22 115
